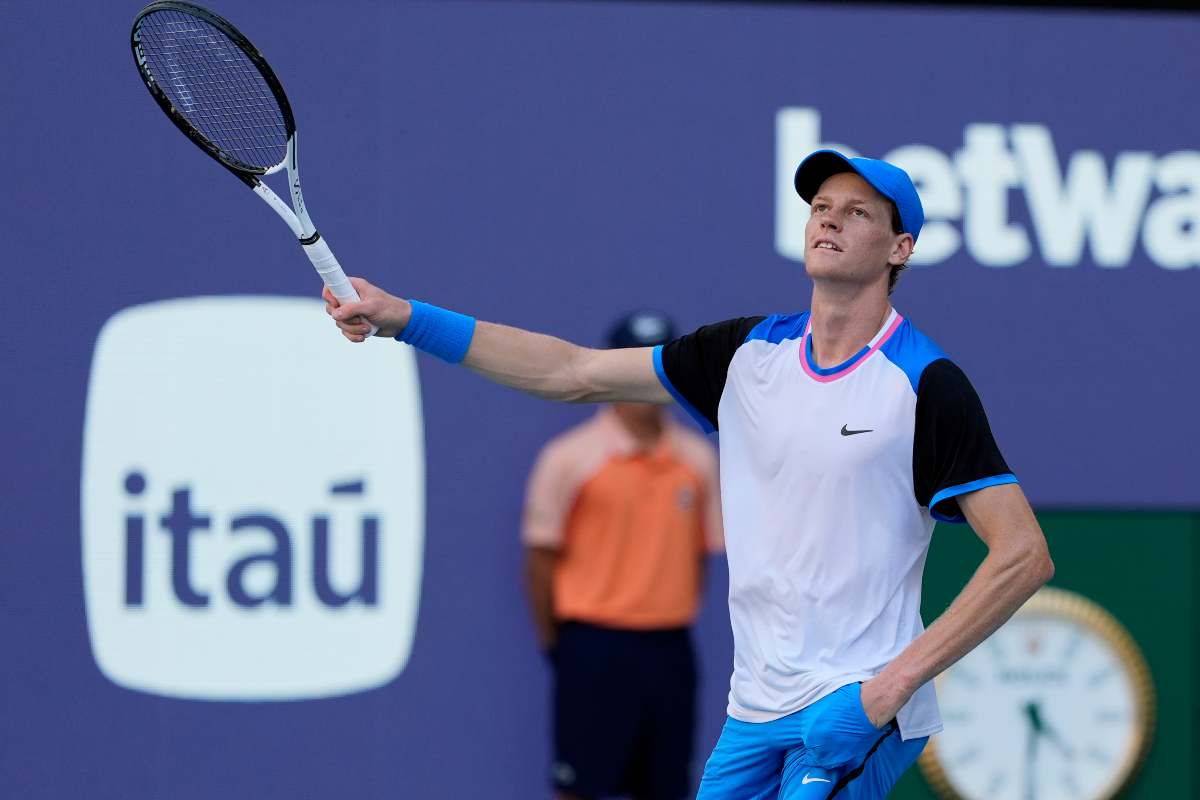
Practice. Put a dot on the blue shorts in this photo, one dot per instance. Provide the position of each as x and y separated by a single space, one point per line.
828 748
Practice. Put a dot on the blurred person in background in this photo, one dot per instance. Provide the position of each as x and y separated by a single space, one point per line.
620 516
845 433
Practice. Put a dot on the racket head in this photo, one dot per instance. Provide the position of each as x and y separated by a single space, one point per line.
215 85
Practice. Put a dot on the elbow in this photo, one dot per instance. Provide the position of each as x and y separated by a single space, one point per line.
572 394
1039 565
1047 568
580 383
1027 564
578 397
569 381
562 393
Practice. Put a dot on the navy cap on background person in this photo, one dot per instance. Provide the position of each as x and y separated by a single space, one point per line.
641 329
888 179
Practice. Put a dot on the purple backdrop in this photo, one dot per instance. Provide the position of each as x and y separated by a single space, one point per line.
546 164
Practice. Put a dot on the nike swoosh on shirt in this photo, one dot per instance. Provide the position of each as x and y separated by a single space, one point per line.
851 433
807 779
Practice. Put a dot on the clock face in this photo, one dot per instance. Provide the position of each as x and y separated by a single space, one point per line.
1055 704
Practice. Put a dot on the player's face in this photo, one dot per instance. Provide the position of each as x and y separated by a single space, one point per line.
849 236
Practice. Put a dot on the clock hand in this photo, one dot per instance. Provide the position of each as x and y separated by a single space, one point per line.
1035 732
1053 736
1035 716
1039 725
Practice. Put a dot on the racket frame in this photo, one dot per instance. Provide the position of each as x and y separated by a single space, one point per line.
296 216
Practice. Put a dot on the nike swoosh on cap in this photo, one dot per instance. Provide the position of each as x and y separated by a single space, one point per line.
851 433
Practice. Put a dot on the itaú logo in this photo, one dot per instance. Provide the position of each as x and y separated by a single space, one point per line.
253 502
1084 202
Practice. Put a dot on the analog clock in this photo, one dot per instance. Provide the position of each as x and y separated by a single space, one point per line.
1058 703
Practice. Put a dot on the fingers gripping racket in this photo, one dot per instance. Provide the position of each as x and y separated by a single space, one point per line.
219 90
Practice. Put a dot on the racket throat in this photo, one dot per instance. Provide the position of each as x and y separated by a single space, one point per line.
293 174
283 210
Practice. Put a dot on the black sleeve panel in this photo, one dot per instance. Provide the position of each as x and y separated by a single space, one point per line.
953 448
696 364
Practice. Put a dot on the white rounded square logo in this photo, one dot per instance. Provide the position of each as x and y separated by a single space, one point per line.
253 502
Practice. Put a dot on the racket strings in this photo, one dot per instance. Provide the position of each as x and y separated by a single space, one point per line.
215 86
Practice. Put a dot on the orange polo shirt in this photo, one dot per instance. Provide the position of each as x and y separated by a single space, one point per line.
630 525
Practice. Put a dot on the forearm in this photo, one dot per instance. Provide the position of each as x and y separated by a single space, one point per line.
531 362
1017 564
558 370
1003 582
534 363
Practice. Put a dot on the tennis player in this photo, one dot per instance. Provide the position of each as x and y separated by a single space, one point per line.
845 433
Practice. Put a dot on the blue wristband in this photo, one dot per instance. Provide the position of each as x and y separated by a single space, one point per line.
441 333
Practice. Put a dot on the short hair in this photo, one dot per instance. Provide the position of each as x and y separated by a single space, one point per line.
897 228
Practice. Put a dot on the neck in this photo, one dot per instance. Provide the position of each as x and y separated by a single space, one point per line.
844 321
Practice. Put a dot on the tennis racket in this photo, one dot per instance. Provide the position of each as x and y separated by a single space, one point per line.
219 90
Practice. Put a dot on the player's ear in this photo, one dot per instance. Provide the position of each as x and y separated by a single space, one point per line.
902 250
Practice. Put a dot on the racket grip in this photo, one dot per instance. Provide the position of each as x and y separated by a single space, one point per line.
331 273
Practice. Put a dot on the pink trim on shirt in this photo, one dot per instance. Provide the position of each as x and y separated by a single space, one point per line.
833 376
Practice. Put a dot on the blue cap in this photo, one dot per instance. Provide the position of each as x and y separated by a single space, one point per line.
888 179
641 329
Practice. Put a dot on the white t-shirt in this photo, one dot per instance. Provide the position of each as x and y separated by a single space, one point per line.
830 484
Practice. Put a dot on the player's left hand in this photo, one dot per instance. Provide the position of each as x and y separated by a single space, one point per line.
880 701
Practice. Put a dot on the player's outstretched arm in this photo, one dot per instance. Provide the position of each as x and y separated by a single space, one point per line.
540 365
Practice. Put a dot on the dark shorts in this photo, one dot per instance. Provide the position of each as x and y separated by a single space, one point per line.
624 712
